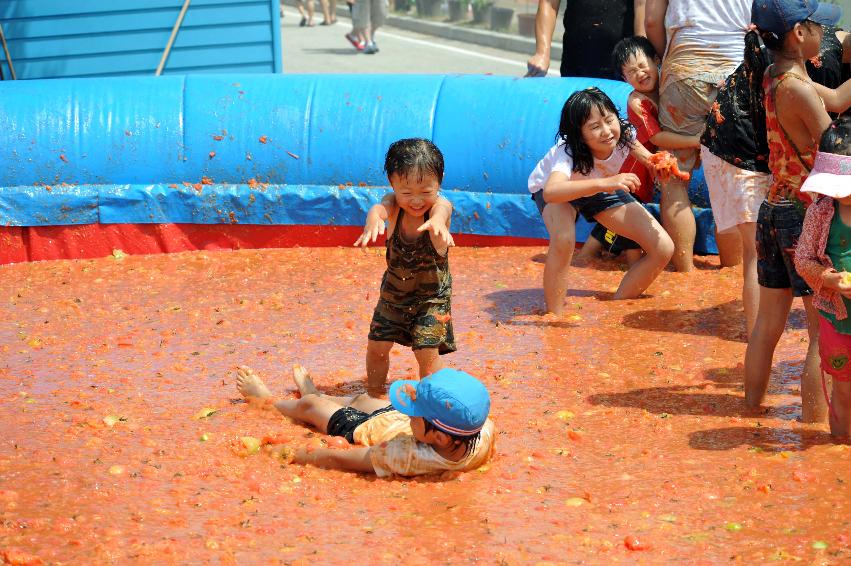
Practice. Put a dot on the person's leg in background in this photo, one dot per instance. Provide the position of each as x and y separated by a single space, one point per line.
682 109
377 15
729 248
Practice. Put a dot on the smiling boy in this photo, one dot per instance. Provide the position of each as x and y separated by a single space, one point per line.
414 306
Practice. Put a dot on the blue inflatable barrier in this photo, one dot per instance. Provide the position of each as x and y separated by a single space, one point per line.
274 149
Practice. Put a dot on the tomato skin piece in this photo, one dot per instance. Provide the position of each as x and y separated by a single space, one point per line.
632 542
17 556
338 442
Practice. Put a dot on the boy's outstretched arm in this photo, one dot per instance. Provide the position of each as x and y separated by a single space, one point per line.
440 217
835 100
560 188
670 140
654 24
375 219
639 152
351 460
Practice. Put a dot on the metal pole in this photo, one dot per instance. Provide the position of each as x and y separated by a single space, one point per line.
173 35
8 57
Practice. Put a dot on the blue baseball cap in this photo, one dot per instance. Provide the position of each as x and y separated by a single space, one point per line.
452 400
780 16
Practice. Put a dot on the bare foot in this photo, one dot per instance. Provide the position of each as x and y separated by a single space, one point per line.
303 381
250 385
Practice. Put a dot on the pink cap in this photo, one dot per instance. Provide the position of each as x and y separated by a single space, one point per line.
831 176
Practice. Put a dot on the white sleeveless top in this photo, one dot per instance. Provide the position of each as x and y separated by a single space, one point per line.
706 39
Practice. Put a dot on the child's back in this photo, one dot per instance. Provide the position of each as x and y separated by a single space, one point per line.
791 144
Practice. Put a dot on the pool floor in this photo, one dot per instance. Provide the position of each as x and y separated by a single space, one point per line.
621 424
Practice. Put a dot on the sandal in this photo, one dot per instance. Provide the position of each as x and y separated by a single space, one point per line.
356 43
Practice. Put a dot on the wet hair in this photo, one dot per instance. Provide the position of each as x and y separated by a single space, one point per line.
574 114
837 137
414 156
626 48
775 41
756 61
772 40
469 442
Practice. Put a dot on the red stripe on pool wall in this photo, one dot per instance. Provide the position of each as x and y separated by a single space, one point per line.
34 243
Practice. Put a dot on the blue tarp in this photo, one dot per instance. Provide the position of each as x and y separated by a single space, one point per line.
128 145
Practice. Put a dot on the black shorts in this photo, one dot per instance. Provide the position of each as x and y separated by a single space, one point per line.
778 228
589 207
344 421
612 243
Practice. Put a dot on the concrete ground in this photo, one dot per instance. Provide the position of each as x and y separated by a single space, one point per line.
324 49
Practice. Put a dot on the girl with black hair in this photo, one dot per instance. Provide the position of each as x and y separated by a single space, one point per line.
795 118
580 174
823 258
734 148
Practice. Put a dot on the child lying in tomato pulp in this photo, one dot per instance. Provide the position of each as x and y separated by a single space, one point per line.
436 424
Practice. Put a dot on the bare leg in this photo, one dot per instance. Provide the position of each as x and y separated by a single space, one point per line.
560 220
300 7
840 399
332 9
361 402
309 4
377 367
313 408
633 256
589 250
634 222
729 248
774 305
813 403
678 220
326 15
250 385
750 286
428 360
305 386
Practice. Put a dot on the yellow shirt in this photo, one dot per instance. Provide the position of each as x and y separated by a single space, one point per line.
396 451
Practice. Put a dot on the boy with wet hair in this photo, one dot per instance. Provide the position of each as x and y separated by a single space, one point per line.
635 60
414 305
439 423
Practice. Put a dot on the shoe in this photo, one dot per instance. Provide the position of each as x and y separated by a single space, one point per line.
356 43
371 48
303 22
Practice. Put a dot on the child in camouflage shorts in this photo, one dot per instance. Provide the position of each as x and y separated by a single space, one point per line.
414 304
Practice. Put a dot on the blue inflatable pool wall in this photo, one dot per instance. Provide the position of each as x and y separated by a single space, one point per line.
276 149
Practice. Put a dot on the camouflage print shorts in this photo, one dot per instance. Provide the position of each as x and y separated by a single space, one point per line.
428 325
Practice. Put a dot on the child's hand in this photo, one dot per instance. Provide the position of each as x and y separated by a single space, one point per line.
837 281
438 230
844 285
664 166
373 228
628 182
301 456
